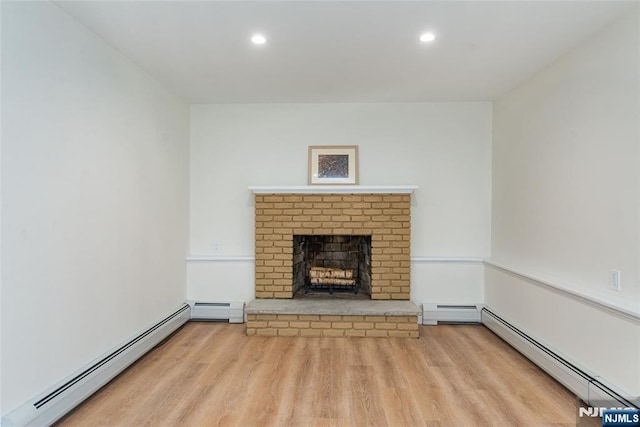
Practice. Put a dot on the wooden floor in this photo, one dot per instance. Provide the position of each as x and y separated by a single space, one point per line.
212 374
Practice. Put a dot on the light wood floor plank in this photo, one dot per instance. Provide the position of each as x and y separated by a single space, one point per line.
212 374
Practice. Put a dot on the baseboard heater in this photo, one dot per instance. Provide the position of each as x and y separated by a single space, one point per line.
585 385
233 312
54 403
433 314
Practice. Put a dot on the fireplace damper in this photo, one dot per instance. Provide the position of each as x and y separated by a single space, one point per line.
332 264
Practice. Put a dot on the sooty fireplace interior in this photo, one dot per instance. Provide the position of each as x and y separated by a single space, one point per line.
332 263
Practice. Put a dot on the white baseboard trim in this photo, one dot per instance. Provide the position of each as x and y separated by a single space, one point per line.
588 386
233 312
54 403
438 313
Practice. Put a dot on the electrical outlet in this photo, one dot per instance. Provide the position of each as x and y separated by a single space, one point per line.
216 247
614 279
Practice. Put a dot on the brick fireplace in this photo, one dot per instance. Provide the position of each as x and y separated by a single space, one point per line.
362 231
384 218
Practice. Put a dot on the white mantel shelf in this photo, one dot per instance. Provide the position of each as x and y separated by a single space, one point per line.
334 189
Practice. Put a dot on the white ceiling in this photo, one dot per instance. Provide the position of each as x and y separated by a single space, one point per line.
342 51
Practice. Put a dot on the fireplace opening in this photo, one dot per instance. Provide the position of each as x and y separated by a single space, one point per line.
336 266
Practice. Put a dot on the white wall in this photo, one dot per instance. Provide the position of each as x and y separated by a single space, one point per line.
566 182
447 282
595 338
0 213
444 148
94 199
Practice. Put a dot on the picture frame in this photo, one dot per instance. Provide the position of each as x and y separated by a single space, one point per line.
333 165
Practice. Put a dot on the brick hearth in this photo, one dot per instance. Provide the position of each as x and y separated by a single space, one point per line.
332 318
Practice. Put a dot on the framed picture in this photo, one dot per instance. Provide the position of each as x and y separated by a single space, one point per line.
333 164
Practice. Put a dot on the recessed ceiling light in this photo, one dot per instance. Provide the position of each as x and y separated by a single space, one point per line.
427 37
258 39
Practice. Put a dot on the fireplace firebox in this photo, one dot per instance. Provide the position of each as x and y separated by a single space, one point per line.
332 263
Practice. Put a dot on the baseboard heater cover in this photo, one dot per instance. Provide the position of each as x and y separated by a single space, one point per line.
433 314
54 403
587 386
233 312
